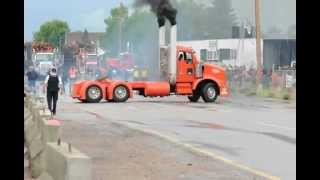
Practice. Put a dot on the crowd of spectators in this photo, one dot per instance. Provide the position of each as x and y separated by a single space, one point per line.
244 78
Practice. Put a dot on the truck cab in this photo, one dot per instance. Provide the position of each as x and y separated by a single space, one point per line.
196 79
91 64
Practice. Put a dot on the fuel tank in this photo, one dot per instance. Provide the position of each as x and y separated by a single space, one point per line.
157 89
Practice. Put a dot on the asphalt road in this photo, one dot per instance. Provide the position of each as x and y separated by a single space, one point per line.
253 134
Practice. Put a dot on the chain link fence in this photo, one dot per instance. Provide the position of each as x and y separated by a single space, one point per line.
280 81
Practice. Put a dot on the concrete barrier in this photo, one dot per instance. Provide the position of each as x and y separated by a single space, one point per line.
45 176
38 164
45 113
36 146
51 130
31 129
49 161
65 165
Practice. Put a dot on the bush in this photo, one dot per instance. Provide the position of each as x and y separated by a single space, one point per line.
286 96
251 93
271 94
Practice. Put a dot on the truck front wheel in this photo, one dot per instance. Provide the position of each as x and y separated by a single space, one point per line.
195 97
209 92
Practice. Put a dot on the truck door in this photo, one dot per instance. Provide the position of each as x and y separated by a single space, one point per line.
185 67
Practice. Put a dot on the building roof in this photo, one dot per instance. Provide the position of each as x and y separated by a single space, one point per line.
279 36
77 36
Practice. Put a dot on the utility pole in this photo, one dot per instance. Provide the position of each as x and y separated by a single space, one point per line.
258 42
120 34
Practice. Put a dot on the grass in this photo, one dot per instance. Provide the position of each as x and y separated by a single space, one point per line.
270 93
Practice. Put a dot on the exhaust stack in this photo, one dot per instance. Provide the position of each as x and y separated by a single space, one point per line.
164 10
162 36
173 55
167 54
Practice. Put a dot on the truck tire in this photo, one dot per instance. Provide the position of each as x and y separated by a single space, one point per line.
209 92
93 94
120 93
83 100
195 96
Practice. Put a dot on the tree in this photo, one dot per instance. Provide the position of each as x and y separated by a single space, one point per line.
191 25
52 32
221 17
85 37
292 29
214 19
274 30
119 16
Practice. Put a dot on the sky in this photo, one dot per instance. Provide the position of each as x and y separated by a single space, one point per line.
90 14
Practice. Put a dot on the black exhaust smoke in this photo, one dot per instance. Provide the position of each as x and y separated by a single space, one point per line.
162 8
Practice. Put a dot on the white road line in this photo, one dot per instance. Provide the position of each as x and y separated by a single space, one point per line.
276 126
195 149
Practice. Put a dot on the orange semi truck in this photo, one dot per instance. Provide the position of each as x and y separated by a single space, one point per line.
184 75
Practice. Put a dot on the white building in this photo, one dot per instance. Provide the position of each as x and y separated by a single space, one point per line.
225 51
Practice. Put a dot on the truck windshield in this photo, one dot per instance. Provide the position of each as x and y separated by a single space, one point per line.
44 57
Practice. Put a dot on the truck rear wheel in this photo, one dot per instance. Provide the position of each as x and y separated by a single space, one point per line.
120 94
209 92
93 94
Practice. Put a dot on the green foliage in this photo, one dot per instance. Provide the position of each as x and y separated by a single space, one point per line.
274 30
195 21
221 18
292 29
52 32
119 16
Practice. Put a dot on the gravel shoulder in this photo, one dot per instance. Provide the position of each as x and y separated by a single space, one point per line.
121 153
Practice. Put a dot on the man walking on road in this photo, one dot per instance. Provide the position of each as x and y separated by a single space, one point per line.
53 84
32 78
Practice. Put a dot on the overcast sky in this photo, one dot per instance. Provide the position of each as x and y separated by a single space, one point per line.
90 14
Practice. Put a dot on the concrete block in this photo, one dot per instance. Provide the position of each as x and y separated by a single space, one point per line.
36 146
38 165
64 165
30 103
31 130
27 101
36 113
44 176
45 114
51 130
27 114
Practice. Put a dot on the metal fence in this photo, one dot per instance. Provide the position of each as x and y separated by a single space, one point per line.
242 79
284 79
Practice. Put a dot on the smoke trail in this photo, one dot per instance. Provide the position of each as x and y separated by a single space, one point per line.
161 8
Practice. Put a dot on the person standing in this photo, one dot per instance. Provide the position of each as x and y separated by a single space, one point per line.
53 84
65 78
32 78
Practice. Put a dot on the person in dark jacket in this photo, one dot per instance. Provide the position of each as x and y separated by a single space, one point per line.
32 78
53 84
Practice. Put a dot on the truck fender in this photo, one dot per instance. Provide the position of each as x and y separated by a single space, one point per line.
112 85
199 82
